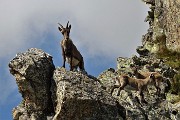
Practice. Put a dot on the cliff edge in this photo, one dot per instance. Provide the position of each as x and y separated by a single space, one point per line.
51 93
164 26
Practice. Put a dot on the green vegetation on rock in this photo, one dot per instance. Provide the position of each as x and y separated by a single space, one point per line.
173 59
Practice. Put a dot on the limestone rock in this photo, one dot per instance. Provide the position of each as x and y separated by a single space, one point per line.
53 94
164 29
50 93
33 71
82 98
107 78
158 107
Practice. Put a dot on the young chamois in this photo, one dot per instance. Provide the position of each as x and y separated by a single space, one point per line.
139 84
69 50
143 75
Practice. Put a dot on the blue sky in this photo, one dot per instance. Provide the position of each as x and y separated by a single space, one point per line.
102 30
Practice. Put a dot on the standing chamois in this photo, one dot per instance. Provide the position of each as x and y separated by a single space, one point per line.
69 50
143 75
139 84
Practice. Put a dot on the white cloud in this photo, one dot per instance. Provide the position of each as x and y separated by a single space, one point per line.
114 26
99 27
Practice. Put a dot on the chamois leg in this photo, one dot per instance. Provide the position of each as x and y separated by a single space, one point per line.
120 88
71 66
158 89
81 65
64 58
75 68
115 86
64 63
142 97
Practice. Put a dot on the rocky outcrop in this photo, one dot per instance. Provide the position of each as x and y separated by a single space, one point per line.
33 71
57 94
164 26
158 107
51 93
82 98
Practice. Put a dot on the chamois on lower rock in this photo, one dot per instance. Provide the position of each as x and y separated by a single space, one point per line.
139 84
143 75
70 52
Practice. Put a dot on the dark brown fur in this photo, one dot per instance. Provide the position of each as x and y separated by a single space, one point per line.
69 50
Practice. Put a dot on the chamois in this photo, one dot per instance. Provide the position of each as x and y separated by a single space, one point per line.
139 84
69 50
143 75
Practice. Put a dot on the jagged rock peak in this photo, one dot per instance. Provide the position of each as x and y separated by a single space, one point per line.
53 94
50 93
33 71
158 107
80 97
163 33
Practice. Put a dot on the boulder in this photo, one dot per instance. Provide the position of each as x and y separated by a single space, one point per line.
80 97
33 71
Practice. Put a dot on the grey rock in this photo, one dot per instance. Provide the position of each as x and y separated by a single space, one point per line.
82 98
158 107
163 31
53 94
33 71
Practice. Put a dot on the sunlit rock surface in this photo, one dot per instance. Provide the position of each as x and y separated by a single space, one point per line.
50 93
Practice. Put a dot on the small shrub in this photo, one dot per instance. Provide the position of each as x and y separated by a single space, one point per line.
176 84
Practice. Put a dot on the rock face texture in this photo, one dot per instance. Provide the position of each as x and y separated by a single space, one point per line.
82 98
164 26
50 93
33 71
157 107
57 94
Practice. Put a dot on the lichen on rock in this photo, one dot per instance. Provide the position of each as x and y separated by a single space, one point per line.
157 107
80 97
163 33
51 93
33 71
56 93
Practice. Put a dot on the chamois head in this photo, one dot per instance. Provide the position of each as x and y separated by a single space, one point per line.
152 77
65 31
134 69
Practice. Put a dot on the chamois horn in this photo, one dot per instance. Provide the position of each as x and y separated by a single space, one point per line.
67 24
60 25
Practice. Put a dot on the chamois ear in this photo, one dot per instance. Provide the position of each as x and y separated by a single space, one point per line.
69 27
59 29
152 75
